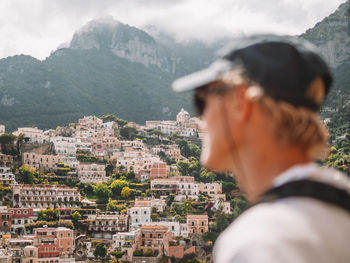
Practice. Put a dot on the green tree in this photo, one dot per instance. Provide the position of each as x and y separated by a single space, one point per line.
149 253
126 192
128 133
27 174
117 186
102 193
100 251
170 199
19 142
76 216
130 176
6 141
48 215
117 254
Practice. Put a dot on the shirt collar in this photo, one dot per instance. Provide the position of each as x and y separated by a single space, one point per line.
296 172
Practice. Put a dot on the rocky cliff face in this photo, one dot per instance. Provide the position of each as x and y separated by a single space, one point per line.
110 67
122 40
332 35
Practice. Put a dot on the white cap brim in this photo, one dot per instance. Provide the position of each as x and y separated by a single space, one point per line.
202 77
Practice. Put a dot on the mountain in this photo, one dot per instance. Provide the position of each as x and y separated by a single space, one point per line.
332 37
108 67
113 68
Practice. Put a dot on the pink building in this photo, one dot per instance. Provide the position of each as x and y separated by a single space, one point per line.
178 251
54 242
158 170
156 238
197 224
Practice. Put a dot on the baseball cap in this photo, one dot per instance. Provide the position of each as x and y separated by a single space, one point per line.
283 66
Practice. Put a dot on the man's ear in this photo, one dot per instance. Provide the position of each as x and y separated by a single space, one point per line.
244 103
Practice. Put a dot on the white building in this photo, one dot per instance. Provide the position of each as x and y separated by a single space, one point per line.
66 148
183 187
139 216
2 129
158 204
6 176
121 238
183 117
45 196
92 173
34 135
175 227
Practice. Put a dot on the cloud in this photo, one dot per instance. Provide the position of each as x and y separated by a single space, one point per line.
37 27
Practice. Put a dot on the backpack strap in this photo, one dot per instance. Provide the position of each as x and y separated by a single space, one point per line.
311 189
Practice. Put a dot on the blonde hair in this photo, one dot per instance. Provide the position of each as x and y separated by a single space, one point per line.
297 126
294 125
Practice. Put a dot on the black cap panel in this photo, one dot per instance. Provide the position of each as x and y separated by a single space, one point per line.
283 71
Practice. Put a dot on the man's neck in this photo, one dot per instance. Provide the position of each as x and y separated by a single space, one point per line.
257 176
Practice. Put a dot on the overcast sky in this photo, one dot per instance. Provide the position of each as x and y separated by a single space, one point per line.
37 27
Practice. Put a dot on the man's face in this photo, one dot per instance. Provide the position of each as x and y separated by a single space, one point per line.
218 146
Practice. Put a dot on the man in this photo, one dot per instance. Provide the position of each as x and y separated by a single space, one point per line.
260 103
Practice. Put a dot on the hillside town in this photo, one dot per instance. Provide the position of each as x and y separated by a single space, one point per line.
104 189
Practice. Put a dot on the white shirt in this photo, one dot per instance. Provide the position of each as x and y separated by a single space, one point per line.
290 230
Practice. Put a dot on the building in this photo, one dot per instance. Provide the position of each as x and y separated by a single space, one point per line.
30 255
155 238
213 190
179 251
183 117
121 239
20 217
173 226
182 186
89 122
6 160
22 249
2 129
5 219
158 204
5 256
45 196
33 135
64 146
92 173
139 216
6 176
40 162
174 152
54 243
104 225
197 224
158 170
104 146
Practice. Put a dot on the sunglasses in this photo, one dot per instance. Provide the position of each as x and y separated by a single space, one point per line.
201 93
